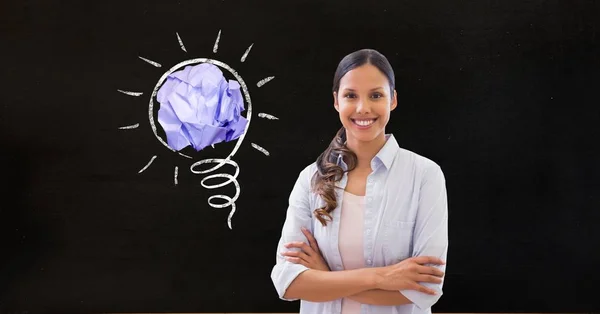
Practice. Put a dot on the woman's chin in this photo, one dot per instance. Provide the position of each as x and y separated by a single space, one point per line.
365 137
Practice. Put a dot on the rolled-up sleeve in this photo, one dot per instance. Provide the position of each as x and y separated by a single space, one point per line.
431 231
298 216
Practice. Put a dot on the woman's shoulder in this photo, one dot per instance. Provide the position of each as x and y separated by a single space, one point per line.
419 162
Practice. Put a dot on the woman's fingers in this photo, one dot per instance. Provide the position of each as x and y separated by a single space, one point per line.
301 245
294 260
430 270
297 260
428 278
311 239
427 260
423 289
295 254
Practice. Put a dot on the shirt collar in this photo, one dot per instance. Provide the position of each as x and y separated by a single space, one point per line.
388 152
385 155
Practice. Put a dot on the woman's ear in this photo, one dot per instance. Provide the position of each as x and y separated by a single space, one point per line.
335 102
394 103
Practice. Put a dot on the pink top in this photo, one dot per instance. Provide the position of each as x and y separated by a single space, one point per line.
351 241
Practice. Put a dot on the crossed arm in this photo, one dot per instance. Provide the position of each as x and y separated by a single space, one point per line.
359 285
380 297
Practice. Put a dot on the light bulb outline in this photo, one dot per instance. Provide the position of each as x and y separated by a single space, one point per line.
244 90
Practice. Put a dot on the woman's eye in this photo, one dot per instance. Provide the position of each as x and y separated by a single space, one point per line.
377 95
349 95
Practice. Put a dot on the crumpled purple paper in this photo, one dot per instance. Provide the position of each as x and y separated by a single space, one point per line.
198 107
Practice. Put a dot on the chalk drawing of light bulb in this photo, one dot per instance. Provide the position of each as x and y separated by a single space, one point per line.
198 108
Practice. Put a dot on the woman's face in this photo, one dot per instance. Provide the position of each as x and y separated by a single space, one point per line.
364 102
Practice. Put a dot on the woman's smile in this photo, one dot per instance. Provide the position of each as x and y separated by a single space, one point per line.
363 123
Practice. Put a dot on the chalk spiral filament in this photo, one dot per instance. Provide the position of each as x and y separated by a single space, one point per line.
229 201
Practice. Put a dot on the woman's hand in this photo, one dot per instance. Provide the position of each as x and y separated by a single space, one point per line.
309 256
407 274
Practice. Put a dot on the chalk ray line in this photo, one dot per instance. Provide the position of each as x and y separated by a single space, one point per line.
135 94
148 164
260 149
129 127
180 42
246 53
267 116
156 64
264 81
216 46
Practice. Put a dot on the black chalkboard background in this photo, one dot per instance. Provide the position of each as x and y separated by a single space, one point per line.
502 94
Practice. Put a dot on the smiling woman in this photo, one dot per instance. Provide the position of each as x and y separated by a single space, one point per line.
367 224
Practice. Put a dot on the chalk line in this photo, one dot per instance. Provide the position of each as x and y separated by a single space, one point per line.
264 81
180 42
217 42
156 64
267 116
148 165
246 53
260 149
135 94
129 127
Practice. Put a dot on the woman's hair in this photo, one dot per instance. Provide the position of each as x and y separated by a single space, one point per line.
329 172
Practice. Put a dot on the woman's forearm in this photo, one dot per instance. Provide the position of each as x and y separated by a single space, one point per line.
322 286
380 297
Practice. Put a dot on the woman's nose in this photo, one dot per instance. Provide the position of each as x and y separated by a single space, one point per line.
363 107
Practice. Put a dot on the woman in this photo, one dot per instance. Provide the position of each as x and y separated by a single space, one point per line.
366 229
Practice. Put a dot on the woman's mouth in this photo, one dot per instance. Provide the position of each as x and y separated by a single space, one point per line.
363 123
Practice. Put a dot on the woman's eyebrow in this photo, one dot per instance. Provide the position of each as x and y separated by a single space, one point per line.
372 89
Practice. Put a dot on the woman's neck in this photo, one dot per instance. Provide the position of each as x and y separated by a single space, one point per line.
365 151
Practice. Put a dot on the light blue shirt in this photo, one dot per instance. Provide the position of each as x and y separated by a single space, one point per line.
406 215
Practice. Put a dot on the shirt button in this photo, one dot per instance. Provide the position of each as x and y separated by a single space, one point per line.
369 262
370 180
369 199
368 231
